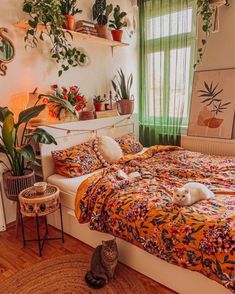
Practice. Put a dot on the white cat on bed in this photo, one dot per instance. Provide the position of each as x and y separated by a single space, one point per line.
191 193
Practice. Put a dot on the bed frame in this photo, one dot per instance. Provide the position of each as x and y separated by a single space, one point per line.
178 279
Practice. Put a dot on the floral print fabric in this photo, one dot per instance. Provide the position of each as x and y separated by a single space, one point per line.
200 237
129 144
77 160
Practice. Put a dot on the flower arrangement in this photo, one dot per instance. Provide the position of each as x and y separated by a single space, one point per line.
64 100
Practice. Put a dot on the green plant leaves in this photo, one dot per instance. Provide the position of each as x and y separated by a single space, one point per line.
42 136
8 133
27 152
32 112
64 103
4 112
121 86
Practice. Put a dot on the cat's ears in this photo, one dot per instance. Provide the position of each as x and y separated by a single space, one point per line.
186 190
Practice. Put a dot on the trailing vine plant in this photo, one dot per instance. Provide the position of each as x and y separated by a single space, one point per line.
46 20
206 11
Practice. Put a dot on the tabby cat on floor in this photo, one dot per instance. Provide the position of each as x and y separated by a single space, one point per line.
103 264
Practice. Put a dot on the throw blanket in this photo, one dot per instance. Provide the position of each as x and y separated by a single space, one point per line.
200 237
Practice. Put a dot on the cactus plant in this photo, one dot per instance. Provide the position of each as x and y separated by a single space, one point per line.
101 11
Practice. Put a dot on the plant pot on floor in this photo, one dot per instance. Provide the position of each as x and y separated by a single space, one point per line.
102 31
125 106
70 22
99 106
117 35
13 185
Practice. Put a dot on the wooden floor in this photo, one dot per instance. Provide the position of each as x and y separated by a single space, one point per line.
13 257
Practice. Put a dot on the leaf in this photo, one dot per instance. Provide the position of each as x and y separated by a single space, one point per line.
26 115
4 112
66 104
42 136
27 152
8 132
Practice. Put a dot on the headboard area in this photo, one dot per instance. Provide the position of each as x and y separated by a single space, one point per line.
82 131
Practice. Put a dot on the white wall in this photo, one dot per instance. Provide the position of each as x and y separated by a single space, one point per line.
35 69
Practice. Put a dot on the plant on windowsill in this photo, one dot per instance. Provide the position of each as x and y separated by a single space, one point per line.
69 10
101 13
16 145
117 24
46 20
122 87
98 103
207 9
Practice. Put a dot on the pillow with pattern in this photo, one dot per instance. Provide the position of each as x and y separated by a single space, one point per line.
77 160
129 144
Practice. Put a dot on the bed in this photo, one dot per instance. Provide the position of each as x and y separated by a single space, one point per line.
131 250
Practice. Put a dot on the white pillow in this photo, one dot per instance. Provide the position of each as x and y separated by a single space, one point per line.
108 149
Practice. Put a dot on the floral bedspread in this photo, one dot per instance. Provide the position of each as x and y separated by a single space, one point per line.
200 237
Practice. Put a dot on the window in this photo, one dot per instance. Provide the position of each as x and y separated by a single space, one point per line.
169 63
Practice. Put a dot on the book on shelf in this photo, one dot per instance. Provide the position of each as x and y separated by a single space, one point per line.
82 23
86 29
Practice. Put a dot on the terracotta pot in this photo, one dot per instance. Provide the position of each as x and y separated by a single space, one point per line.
70 22
102 31
13 185
125 106
117 35
213 123
86 115
99 106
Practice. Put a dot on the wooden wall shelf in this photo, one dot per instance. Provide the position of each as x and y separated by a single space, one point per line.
80 36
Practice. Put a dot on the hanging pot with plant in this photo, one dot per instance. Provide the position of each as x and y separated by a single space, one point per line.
69 10
101 13
122 87
46 20
117 24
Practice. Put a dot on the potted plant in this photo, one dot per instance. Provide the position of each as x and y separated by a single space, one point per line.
69 10
98 103
117 24
46 20
63 103
101 12
16 144
122 87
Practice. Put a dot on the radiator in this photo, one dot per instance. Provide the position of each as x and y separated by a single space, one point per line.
209 145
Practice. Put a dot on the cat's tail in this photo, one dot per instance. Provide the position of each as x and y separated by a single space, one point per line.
93 282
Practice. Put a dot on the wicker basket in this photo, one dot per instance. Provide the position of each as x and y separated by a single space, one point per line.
13 185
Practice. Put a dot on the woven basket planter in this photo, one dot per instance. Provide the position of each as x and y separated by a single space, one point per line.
13 185
125 106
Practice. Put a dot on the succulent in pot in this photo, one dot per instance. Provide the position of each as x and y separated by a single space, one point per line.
122 87
117 23
98 103
69 10
16 145
101 12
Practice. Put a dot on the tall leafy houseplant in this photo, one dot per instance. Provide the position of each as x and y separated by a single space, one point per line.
101 12
118 23
16 145
122 87
46 20
206 10
69 10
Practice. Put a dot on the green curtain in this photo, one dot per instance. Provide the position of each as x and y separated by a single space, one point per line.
167 48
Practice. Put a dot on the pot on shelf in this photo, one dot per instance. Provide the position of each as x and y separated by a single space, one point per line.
99 106
102 31
13 185
86 115
125 106
117 35
70 22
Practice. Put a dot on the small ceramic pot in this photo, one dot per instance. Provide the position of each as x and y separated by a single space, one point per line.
70 22
117 35
102 31
40 187
99 106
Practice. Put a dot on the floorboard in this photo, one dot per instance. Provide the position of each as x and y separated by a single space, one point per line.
14 257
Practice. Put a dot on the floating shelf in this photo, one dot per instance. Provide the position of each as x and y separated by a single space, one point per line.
80 36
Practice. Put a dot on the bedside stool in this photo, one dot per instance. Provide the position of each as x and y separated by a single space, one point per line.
36 205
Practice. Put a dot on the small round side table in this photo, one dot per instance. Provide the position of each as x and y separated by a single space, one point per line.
36 205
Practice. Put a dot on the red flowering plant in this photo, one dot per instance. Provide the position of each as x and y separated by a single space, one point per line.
63 100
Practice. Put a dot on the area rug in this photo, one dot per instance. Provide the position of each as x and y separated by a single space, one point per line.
65 275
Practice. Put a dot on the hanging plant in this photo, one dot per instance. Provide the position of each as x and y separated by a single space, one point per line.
206 9
46 20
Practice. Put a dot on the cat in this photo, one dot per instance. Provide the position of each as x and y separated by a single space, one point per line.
103 264
191 193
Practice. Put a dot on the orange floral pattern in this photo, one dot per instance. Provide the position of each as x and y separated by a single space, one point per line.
77 160
129 144
200 237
